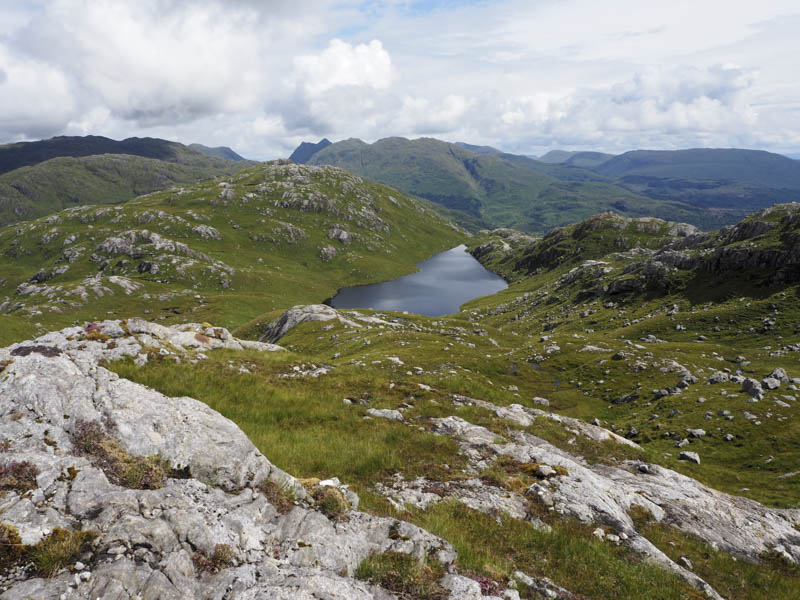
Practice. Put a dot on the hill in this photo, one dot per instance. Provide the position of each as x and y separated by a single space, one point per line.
21 154
218 152
556 156
223 250
503 190
58 183
755 167
480 149
587 160
705 177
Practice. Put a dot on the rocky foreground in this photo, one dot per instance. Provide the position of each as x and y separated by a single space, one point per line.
176 502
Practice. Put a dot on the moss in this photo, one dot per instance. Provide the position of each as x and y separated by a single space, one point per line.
60 549
96 336
403 575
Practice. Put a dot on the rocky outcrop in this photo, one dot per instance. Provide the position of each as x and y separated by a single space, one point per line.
156 543
602 494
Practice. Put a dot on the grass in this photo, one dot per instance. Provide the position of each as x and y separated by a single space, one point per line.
279 496
404 575
774 578
496 545
61 548
18 476
221 558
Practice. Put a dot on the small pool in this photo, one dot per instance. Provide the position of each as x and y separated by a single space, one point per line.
443 283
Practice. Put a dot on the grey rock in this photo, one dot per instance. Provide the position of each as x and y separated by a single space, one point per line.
753 387
780 375
386 413
149 536
718 377
770 383
690 456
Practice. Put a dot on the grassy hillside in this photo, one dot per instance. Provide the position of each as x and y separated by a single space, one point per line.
503 190
593 325
224 250
58 183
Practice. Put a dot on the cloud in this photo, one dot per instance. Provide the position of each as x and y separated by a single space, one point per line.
35 98
342 64
516 74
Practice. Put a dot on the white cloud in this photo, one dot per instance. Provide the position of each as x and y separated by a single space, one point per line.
516 74
342 64
35 98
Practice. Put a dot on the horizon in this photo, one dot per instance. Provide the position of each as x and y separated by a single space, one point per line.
525 77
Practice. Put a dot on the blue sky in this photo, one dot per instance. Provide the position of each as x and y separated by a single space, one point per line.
522 75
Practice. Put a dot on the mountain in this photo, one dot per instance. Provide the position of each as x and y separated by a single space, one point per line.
480 149
557 156
503 190
21 154
706 177
587 160
303 153
755 167
58 183
38 178
218 152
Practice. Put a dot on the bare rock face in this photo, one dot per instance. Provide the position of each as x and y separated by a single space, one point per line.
148 541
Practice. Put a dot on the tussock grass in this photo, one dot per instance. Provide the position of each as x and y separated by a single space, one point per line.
60 549
91 438
404 575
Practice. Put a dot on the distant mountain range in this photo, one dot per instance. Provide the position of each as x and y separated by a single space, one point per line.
38 178
490 188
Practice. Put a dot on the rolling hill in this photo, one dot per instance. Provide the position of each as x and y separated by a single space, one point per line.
707 177
267 235
217 152
73 171
502 190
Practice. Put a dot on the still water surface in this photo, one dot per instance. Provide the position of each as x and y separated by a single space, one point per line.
443 283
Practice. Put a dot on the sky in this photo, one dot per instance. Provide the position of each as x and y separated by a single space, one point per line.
525 76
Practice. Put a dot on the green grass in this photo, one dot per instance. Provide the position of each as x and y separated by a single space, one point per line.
735 579
496 545
404 575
